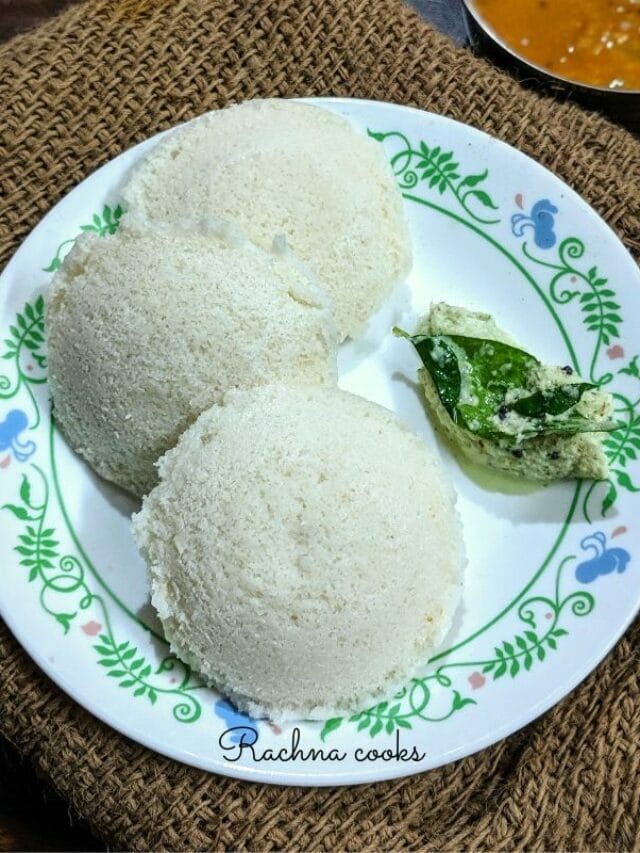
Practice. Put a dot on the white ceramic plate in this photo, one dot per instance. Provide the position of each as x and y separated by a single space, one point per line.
552 580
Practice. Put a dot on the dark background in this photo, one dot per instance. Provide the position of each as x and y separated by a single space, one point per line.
18 15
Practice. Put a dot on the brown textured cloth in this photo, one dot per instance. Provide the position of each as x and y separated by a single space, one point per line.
108 74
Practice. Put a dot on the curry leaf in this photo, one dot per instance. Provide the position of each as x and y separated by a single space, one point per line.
494 390
557 401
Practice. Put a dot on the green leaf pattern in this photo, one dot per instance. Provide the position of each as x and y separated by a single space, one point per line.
437 170
24 352
102 224
601 315
597 300
621 447
64 594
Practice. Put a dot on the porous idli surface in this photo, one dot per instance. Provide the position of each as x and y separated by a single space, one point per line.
278 166
304 550
149 327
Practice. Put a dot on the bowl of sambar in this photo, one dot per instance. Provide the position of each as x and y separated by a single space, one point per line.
588 48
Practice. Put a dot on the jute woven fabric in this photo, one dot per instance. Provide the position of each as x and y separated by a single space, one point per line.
106 75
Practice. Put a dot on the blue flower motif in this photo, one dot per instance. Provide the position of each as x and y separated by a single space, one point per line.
541 220
234 719
10 428
604 561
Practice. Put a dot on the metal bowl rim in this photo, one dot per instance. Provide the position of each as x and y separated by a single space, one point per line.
486 28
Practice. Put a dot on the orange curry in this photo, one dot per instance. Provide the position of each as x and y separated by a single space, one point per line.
590 41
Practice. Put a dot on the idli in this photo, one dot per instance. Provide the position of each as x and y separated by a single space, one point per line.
151 326
278 166
304 550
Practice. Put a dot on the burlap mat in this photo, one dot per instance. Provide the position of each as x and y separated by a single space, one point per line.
107 74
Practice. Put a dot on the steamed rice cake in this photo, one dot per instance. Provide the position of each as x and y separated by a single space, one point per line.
304 550
278 166
149 327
